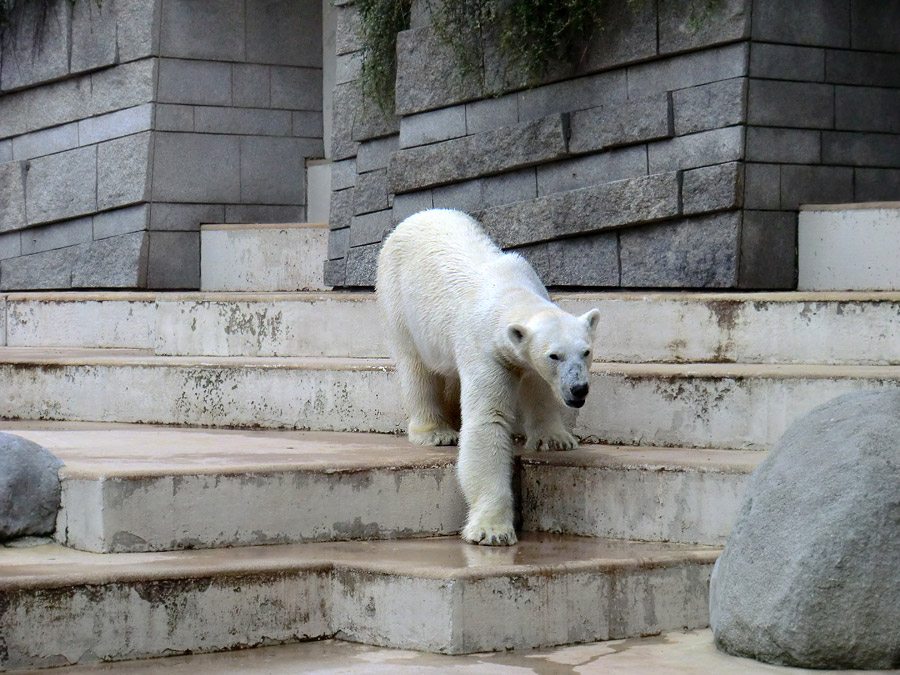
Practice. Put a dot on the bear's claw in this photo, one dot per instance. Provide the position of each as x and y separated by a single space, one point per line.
435 437
490 536
561 440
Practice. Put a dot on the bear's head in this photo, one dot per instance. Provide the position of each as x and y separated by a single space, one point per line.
557 345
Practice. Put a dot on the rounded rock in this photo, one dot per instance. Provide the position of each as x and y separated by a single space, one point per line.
29 488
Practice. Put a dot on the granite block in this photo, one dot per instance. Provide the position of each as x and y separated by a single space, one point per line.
688 70
264 213
709 106
127 85
410 203
121 221
285 32
243 121
12 196
10 245
114 262
768 250
712 188
874 25
604 89
430 127
94 36
787 62
822 23
173 260
273 171
702 149
362 265
571 174
862 68
171 117
196 168
58 235
805 105
334 272
690 25
347 32
195 82
790 146
698 252
490 152
591 260
338 243
204 31
815 185
123 171
624 123
251 85
371 193
876 185
296 88
341 213
762 186
343 174
492 113
44 24
853 148
307 124
376 154
116 124
184 217
45 141
370 228
41 271
867 109
61 186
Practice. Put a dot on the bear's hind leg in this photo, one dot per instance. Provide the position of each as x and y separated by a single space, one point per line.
423 397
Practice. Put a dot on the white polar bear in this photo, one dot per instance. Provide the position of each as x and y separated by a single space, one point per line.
473 330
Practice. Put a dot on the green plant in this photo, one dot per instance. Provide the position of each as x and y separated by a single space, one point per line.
380 21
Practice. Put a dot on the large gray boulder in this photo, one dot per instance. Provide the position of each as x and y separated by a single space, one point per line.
810 575
29 488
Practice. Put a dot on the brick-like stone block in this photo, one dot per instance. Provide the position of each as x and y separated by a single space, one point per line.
171 117
762 186
410 203
370 121
343 174
602 207
347 37
137 35
701 149
121 221
362 265
194 82
114 262
251 85
787 62
334 272
244 121
862 68
709 106
58 235
45 106
852 148
622 123
374 155
341 213
605 167
46 141
184 217
690 25
698 252
24 64
12 196
495 151
126 85
338 243
61 186
627 34
592 260
790 104
307 124
285 32
603 89
688 70
203 31
370 228
874 25
296 88
94 36
768 250
876 185
427 75
6 151
198 168
41 271
791 146
823 23
482 193
173 260
123 170
815 185
348 67
273 171
430 127
10 245
115 124
492 113
712 188
345 100
867 109
264 213
371 193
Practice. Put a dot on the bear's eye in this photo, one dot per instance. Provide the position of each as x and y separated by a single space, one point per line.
553 357
587 353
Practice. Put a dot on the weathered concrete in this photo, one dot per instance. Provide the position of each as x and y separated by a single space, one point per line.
408 594
695 405
262 257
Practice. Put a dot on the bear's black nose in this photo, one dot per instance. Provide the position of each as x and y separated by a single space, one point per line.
580 390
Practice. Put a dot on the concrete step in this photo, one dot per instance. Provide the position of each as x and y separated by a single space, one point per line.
674 653
439 595
849 247
299 487
825 328
282 257
677 405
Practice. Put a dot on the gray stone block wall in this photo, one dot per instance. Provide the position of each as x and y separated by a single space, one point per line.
139 120
673 157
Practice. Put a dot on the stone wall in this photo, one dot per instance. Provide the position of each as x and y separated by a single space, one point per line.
124 126
674 155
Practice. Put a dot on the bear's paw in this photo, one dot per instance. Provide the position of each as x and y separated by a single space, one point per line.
490 532
555 440
434 437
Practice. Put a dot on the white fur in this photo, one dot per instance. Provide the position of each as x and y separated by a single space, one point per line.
472 330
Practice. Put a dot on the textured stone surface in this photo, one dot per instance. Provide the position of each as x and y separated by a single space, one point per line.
867 109
376 154
23 65
196 168
808 577
123 169
624 202
46 270
12 196
762 186
410 203
61 185
491 113
685 25
815 185
362 263
29 488
370 228
580 172
873 27
591 260
768 250
712 188
46 141
695 150
790 146
569 95
876 185
193 31
851 148
805 105
173 260
430 127
121 221
115 124
371 192
788 62
58 235
620 124
862 68
334 272
490 152
184 216
688 70
700 252
341 211
709 106
482 193
272 171
114 262
823 23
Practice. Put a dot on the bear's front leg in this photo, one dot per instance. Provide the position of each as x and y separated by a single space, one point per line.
542 417
485 457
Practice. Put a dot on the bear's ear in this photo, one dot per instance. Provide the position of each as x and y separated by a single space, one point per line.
591 318
517 334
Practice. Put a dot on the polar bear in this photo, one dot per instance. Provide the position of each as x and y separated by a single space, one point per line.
473 332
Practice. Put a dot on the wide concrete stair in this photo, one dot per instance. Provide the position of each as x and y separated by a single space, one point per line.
273 523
